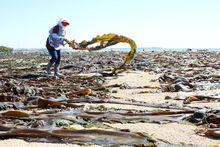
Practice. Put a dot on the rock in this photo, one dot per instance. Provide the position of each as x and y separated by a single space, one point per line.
167 97
114 91
197 117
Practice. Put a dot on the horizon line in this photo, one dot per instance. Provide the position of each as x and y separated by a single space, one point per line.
140 48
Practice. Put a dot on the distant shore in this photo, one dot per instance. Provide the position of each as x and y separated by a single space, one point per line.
144 49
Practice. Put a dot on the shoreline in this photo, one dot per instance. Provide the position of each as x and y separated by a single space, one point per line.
150 49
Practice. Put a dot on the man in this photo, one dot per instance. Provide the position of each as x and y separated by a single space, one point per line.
54 41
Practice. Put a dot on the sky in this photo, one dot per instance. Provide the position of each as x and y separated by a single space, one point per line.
150 23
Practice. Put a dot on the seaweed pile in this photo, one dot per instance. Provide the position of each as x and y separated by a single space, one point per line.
37 108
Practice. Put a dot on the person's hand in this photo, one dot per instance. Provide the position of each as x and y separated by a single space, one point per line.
62 39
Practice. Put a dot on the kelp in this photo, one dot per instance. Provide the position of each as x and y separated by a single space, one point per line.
43 103
104 41
86 136
125 117
35 103
97 100
14 113
208 121
213 133
92 136
102 116
199 98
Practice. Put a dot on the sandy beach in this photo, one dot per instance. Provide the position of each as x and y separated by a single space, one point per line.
95 73
120 104
173 133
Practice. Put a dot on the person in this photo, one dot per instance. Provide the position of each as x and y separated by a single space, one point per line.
53 43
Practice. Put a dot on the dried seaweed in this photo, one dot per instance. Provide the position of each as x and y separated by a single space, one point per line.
33 105
83 136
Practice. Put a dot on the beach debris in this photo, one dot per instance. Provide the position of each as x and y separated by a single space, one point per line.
95 136
214 133
200 98
44 103
43 106
14 113
209 122
84 92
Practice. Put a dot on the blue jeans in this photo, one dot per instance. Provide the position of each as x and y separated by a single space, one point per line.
55 56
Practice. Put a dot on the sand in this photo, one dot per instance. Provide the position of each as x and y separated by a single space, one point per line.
22 143
174 133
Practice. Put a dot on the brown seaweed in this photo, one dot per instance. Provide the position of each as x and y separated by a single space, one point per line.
37 106
84 136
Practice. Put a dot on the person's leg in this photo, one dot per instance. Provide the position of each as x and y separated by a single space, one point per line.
52 60
57 64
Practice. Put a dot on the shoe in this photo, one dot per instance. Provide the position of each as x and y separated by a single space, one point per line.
56 77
